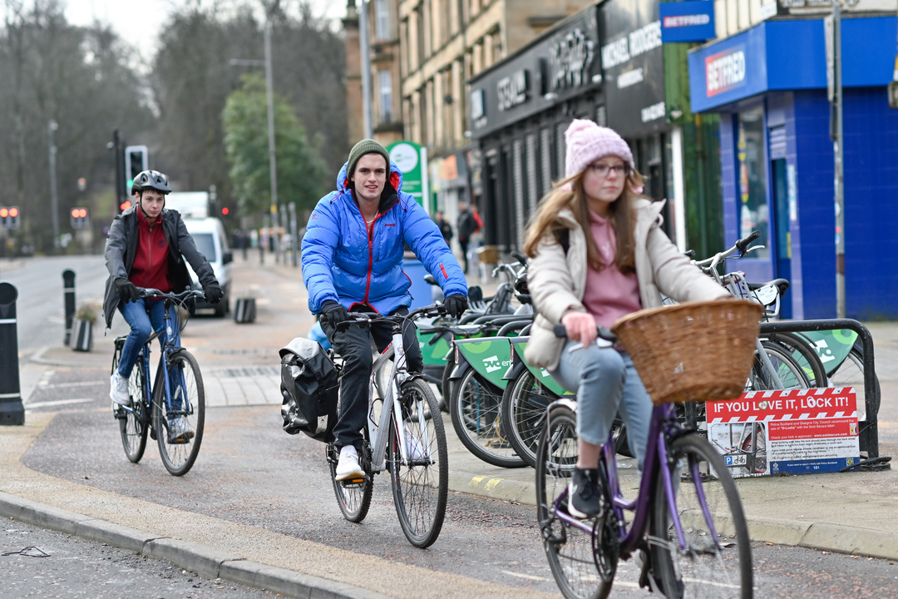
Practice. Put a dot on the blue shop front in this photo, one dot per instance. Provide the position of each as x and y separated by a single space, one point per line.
769 85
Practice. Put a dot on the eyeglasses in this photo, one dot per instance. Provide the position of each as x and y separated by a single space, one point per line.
602 169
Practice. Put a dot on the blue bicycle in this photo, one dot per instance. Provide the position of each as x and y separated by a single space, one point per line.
176 395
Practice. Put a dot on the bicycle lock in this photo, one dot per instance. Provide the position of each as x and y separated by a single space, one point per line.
11 409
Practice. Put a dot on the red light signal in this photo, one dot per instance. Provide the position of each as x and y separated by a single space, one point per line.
224 211
4 212
13 212
125 205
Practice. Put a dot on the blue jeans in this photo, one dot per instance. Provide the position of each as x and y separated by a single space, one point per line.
606 382
144 317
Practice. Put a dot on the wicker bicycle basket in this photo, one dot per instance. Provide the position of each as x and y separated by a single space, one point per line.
696 351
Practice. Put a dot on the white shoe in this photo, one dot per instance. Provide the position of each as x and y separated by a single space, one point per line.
180 431
415 450
348 464
118 389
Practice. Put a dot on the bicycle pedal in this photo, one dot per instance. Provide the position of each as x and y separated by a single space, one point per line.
353 482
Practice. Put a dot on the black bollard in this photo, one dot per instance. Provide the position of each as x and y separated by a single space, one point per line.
11 409
68 287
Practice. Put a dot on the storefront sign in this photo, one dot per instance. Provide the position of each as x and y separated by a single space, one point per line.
570 57
513 89
632 61
688 21
795 431
725 71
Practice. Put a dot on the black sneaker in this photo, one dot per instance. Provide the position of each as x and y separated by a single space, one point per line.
583 494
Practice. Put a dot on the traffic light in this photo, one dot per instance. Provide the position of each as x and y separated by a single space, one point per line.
225 211
9 217
78 218
137 160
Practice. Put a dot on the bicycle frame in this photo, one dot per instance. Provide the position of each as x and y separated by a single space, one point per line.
663 425
378 431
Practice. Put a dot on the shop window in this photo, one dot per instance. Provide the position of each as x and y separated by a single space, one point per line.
751 179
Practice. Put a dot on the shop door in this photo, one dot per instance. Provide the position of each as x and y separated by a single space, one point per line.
783 262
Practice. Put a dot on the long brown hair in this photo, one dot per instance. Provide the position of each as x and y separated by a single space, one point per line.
568 193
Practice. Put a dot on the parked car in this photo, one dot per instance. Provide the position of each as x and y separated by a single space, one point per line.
210 239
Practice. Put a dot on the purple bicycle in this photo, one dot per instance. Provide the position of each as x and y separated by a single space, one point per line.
686 525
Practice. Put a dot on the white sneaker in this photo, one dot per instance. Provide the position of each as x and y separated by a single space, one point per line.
415 450
348 464
180 431
118 389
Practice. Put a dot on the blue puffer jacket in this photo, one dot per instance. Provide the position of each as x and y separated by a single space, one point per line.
343 260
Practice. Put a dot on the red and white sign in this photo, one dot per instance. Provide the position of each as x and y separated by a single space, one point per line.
792 431
724 71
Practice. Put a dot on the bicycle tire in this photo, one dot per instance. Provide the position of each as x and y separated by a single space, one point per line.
523 409
791 374
709 568
569 550
806 357
187 385
133 422
850 373
446 384
354 498
475 407
420 486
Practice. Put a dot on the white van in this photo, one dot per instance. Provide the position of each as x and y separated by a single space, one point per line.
210 239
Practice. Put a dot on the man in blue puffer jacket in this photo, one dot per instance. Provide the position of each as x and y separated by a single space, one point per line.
352 256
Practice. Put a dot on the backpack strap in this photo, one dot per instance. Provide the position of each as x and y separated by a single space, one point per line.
564 238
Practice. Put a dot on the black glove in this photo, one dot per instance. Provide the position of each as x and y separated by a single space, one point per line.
333 312
213 292
127 292
456 304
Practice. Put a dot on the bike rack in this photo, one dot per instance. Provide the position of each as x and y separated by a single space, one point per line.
868 430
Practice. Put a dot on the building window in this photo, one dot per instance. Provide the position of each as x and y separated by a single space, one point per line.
751 178
381 19
385 95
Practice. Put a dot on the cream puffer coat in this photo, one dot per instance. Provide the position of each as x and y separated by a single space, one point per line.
557 281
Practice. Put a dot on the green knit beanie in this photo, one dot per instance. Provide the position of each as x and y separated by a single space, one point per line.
366 146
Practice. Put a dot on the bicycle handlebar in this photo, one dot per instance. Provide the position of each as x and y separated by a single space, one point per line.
603 332
149 292
362 318
740 246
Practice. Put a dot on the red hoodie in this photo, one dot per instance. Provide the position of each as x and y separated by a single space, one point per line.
150 268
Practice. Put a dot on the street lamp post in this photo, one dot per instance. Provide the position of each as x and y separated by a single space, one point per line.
366 68
52 126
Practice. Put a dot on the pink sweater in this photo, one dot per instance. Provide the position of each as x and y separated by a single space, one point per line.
609 293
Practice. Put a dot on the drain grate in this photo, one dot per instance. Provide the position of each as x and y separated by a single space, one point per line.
249 371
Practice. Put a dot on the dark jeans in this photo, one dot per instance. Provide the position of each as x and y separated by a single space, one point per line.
353 344
464 251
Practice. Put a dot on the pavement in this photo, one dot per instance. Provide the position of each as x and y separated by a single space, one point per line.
850 513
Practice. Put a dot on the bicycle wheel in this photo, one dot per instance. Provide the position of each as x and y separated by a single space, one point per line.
805 355
569 549
789 371
475 410
523 409
188 401
133 422
353 497
716 558
446 383
421 484
850 373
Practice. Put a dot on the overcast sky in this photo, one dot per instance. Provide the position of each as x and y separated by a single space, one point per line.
124 14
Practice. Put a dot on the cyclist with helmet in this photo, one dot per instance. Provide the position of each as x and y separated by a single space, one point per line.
146 247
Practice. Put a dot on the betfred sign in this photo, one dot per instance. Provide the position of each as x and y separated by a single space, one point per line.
689 21
725 71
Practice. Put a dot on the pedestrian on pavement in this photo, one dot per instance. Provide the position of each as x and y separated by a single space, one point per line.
146 247
465 226
598 252
443 224
352 257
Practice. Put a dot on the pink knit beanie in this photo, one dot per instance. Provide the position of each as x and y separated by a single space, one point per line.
587 142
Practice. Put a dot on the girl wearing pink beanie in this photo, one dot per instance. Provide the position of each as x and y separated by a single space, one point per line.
597 253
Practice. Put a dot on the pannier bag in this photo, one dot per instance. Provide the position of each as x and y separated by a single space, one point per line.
309 387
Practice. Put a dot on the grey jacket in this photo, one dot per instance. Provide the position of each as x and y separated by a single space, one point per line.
121 247
557 281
